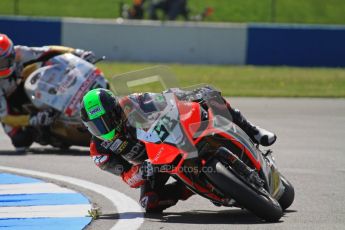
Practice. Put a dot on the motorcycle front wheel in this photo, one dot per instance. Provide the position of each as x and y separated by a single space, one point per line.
263 206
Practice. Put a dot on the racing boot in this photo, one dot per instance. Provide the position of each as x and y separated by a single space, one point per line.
258 135
263 136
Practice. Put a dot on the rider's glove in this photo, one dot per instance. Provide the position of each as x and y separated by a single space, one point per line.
43 118
147 170
133 177
88 56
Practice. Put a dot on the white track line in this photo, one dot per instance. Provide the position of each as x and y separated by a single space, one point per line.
130 213
45 211
32 188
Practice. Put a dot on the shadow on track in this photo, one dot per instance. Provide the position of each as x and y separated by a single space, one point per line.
233 216
44 151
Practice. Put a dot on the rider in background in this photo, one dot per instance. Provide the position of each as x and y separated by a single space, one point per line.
16 63
171 9
115 148
136 11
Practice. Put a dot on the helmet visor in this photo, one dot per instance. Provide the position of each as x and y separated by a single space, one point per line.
101 127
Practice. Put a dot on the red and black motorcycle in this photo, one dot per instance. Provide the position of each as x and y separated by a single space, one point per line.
214 158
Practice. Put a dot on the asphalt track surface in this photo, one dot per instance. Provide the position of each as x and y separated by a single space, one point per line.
310 152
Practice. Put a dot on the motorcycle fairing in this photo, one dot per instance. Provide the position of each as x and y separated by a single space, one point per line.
62 83
189 120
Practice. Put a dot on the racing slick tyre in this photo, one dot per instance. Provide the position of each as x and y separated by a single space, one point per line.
263 206
289 194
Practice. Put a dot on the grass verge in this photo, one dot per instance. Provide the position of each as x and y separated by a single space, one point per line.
249 81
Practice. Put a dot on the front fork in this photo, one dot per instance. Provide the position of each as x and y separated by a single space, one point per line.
240 167
268 177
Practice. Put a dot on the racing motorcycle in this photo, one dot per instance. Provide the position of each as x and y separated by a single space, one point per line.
58 86
212 156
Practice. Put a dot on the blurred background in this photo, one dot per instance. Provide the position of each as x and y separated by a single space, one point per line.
284 48
282 11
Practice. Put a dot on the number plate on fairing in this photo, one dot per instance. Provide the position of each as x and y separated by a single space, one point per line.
166 127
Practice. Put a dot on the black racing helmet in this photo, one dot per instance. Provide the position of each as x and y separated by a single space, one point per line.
101 113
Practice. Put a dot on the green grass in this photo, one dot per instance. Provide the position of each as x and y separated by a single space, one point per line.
291 11
249 80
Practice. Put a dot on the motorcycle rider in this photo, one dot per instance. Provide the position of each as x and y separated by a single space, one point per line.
115 148
16 63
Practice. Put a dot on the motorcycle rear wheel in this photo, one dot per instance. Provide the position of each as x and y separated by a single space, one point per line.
263 206
288 196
